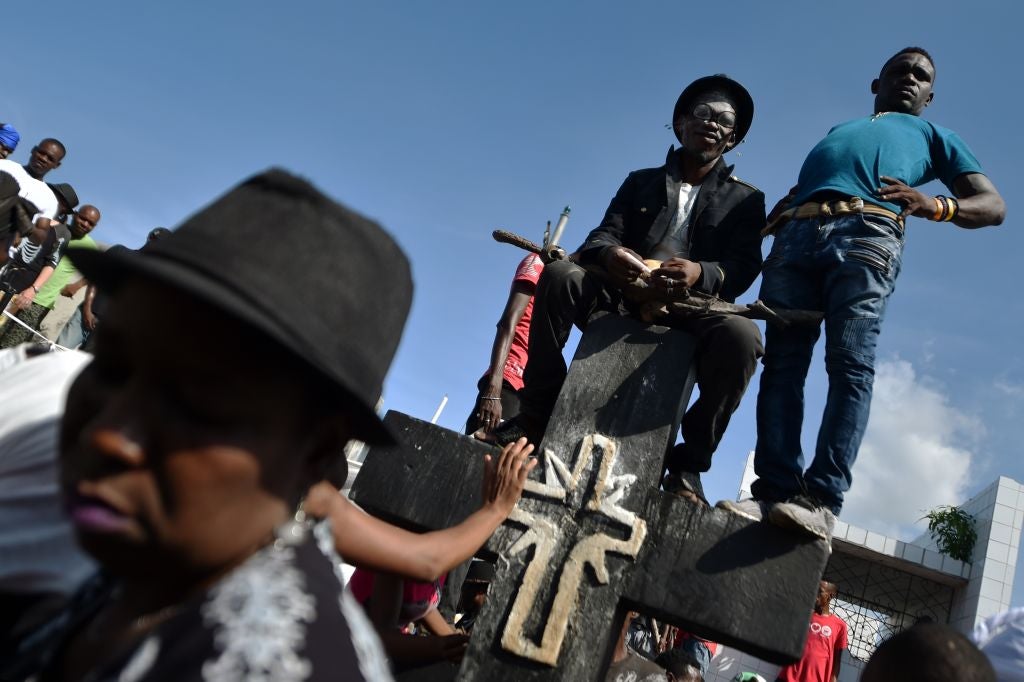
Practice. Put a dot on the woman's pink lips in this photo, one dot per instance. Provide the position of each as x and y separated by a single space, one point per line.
94 515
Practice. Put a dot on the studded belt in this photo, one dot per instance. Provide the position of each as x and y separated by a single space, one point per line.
829 209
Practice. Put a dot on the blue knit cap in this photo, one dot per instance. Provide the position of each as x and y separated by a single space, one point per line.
9 137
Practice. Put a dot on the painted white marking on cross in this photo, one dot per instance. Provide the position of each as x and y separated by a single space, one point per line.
544 535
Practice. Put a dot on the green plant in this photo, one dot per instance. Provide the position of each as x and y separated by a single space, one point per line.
952 529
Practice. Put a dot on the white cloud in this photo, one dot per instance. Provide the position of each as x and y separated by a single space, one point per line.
916 453
1009 389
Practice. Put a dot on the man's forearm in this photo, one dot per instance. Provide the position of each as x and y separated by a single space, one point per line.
90 296
518 298
43 277
980 210
370 543
980 204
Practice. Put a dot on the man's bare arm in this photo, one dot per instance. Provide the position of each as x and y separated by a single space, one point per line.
70 290
980 203
489 400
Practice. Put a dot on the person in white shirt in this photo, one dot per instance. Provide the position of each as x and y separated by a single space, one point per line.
45 157
39 561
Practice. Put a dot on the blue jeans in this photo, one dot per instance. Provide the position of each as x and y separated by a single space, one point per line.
847 267
74 334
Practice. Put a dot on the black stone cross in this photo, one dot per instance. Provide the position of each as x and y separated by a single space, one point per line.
593 535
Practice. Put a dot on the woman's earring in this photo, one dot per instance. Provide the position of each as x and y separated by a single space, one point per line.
293 532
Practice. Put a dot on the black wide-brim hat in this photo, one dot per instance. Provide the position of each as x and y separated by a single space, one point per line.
66 193
719 82
328 285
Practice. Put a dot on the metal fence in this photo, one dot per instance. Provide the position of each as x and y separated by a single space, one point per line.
879 601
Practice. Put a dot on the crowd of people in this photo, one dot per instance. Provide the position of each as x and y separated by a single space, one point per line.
39 222
207 503
692 225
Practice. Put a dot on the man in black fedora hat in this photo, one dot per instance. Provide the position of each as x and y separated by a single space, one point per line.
704 224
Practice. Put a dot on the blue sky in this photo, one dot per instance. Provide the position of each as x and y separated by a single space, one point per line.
447 120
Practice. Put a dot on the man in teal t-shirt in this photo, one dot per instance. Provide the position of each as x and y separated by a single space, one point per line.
838 248
82 223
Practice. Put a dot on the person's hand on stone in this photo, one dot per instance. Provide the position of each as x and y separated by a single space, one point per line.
504 479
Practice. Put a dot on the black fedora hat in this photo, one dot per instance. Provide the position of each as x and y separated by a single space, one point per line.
719 82
65 193
327 284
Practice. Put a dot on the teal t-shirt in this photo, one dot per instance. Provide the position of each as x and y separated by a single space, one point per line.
48 293
854 155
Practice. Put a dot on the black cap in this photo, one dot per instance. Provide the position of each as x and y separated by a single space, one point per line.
65 193
719 82
327 284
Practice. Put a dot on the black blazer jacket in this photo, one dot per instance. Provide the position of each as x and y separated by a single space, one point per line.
725 225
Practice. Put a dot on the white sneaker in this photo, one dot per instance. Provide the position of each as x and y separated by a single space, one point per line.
804 514
748 508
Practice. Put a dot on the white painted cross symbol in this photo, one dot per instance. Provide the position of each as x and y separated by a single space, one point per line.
560 484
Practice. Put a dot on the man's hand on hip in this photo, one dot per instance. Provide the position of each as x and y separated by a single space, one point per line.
912 201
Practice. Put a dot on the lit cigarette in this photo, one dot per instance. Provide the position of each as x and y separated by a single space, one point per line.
645 270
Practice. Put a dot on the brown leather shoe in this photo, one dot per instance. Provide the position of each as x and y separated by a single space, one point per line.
687 485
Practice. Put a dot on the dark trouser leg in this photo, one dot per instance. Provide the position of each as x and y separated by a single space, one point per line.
566 295
14 334
728 348
778 455
791 279
867 255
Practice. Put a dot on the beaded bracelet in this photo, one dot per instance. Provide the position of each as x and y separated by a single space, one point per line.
483 397
955 210
947 211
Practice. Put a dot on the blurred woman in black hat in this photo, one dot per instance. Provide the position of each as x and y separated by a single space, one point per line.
189 442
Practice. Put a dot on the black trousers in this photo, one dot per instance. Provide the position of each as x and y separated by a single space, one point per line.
728 348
